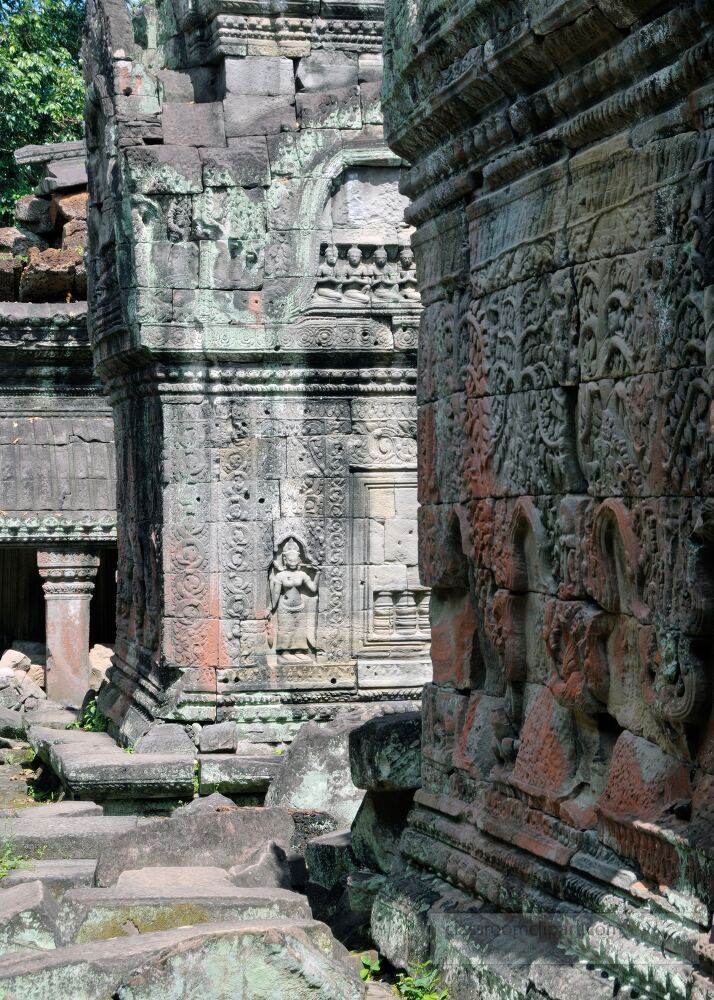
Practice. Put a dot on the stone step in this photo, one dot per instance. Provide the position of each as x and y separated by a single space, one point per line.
265 960
92 766
57 874
206 833
231 774
68 830
161 898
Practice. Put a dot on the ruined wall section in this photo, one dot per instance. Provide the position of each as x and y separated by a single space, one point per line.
254 313
562 187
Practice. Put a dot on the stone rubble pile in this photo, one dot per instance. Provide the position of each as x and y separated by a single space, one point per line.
42 254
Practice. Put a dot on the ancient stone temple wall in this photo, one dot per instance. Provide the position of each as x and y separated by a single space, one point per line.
562 189
57 462
254 312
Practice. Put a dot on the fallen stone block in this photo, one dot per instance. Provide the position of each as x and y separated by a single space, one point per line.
330 858
12 723
51 275
219 837
270 866
58 875
316 769
219 738
378 828
236 775
286 958
385 753
19 241
14 660
165 738
33 831
34 213
114 774
27 918
50 715
62 175
160 898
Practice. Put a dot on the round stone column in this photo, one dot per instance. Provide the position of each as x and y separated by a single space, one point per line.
68 576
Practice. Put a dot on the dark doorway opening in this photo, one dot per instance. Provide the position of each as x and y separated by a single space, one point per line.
22 600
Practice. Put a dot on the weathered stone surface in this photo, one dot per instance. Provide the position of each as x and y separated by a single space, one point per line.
378 827
267 76
52 275
13 659
316 770
27 918
66 834
188 124
182 960
236 775
282 248
165 738
217 837
385 753
330 858
327 70
11 723
219 738
565 551
161 898
269 866
57 875
34 213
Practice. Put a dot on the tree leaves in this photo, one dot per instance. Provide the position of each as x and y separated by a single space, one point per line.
41 87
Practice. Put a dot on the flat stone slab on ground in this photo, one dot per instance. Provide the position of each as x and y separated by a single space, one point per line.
281 958
196 837
66 834
236 775
51 716
58 874
160 898
92 766
27 918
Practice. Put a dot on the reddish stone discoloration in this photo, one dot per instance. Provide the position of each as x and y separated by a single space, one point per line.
68 576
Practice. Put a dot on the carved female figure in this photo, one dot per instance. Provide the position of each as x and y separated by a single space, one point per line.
293 605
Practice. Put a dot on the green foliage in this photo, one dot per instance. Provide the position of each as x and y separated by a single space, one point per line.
10 860
41 794
370 968
41 87
92 720
196 777
420 983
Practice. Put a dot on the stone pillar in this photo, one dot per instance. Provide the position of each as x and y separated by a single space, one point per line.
256 327
68 576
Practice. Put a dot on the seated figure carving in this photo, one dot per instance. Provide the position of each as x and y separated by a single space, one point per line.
356 284
408 285
328 289
384 278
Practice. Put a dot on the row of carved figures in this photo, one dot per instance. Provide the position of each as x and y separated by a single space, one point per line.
386 277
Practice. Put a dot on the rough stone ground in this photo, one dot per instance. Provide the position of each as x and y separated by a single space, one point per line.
104 899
